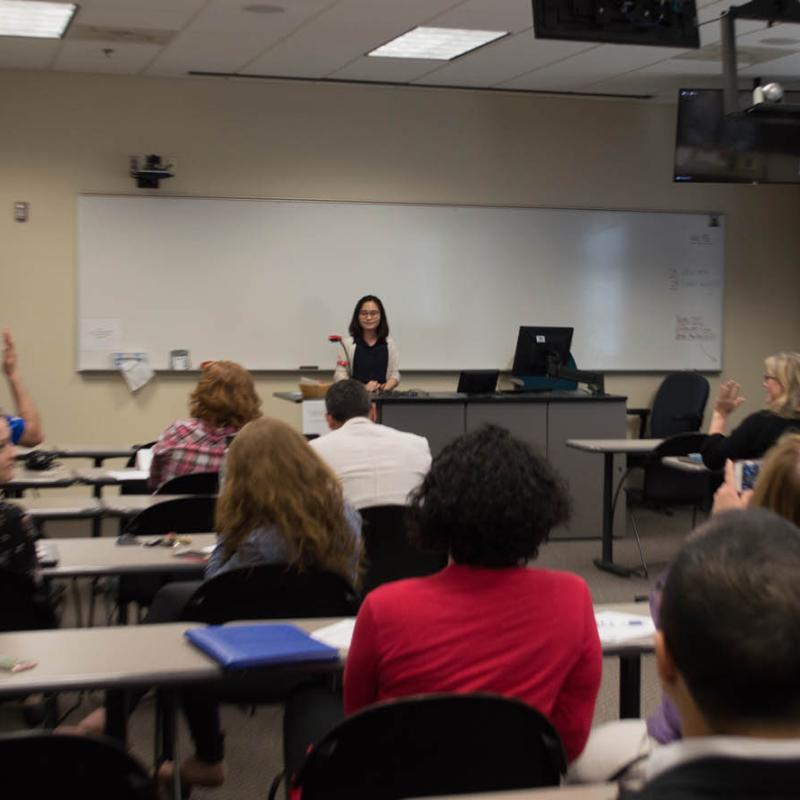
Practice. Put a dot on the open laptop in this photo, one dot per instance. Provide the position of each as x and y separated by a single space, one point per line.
478 381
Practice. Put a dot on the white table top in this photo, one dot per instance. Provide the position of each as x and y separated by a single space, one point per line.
58 476
93 556
61 506
116 657
615 445
684 464
104 476
595 791
122 505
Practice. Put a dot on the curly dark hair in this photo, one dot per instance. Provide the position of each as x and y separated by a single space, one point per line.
489 500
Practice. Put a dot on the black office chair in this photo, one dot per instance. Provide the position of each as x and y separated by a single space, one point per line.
265 591
24 606
270 591
181 515
41 764
438 744
136 487
678 406
389 554
194 483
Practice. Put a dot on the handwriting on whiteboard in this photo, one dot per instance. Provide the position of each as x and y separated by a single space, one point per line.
693 278
692 328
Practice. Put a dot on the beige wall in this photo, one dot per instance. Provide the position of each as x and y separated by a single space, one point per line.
66 134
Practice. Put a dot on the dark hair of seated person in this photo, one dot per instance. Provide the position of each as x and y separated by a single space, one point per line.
489 500
347 399
730 617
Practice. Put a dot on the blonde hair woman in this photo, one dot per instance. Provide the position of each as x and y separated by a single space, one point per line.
760 430
279 503
223 401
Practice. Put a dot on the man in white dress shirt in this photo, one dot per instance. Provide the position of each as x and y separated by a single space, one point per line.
377 465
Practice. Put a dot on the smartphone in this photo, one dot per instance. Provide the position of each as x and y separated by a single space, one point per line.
745 474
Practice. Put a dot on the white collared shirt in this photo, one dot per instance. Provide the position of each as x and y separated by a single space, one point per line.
740 747
377 465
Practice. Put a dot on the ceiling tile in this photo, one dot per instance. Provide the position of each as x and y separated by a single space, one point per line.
125 59
504 60
22 53
342 35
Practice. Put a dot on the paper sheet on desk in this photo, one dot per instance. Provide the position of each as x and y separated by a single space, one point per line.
337 635
616 627
129 474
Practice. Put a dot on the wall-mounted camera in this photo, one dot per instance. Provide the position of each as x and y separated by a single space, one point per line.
149 171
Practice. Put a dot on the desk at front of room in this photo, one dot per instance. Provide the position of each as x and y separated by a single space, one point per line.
545 420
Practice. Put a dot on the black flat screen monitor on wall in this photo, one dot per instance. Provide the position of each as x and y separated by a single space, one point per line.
664 23
539 348
713 148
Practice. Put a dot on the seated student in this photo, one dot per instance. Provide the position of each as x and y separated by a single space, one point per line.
727 655
17 548
25 425
617 746
279 503
377 465
487 622
223 401
759 431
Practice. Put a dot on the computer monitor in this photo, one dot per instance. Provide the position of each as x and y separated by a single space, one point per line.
539 349
478 381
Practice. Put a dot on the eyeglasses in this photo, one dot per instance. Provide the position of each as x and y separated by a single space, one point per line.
369 313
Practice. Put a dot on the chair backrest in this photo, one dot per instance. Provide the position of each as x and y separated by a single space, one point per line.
434 745
23 605
270 591
389 553
181 515
679 404
665 484
194 483
40 764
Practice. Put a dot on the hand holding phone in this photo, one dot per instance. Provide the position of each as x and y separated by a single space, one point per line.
745 474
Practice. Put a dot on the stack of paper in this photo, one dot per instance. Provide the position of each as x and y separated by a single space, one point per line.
616 627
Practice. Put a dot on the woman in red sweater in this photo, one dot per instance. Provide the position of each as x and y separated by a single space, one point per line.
487 622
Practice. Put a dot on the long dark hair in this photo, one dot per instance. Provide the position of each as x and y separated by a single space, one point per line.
355 325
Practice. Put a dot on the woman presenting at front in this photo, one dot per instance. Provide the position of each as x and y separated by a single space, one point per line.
371 352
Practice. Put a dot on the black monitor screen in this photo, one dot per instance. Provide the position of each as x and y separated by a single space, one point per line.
667 23
712 147
536 346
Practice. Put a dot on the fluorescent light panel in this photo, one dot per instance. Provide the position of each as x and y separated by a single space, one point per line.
34 19
436 43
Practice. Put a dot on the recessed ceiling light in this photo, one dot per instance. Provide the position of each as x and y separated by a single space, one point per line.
442 44
263 8
35 19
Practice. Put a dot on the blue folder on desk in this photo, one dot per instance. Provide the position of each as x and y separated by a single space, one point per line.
260 644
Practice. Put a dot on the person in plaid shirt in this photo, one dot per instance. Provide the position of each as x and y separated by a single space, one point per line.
223 401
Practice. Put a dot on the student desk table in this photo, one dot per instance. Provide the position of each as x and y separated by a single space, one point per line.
610 448
594 791
97 453
90 557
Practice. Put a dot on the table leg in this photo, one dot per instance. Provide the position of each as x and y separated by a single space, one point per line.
117 714
606 561
630 686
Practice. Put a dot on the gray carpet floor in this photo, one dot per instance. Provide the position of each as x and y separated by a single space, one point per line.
254 740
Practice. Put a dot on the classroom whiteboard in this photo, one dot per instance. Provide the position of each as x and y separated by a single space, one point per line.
264 282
